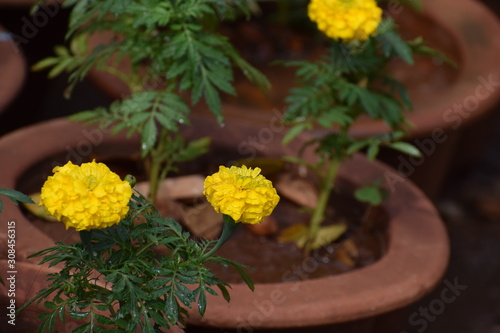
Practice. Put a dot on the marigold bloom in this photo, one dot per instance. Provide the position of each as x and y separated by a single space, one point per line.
346 19
242 193
86 197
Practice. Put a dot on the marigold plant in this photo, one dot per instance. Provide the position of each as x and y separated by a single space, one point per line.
350 81
133 270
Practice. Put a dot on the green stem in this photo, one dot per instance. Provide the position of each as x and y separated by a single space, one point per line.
229 227
86 238
154 178
319 212
156 174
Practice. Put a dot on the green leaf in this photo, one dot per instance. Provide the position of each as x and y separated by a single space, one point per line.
406 148
171 309
244 275
370 194
357 146
103 320
393 43
224 292
373 150
194 149
213 101
15 196
45 63
148 136
78 314
337 115
202 302
82 329
294 132
184 294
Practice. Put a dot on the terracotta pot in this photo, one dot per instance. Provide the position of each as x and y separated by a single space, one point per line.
415 261
12 69
446 100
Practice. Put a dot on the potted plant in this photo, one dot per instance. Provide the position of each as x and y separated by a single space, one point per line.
132 267
413 262
91 141
204 68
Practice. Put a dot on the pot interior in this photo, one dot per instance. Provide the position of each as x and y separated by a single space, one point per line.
271 261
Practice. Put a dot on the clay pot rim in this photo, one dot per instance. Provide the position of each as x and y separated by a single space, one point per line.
13 70
418 255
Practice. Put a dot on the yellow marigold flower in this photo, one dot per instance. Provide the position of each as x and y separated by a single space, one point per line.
242 193
86 197
346 19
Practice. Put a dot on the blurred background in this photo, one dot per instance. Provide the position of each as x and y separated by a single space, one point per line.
469 202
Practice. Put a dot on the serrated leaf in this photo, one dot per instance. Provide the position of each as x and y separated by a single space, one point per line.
184 294
202 302
244 275
395 44
213 100
171 309
148 136
103 320
224 292
336 115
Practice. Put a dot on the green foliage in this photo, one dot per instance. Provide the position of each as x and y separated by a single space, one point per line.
143 112
14 196
177 59
351 83
373 194
174 38
144 272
